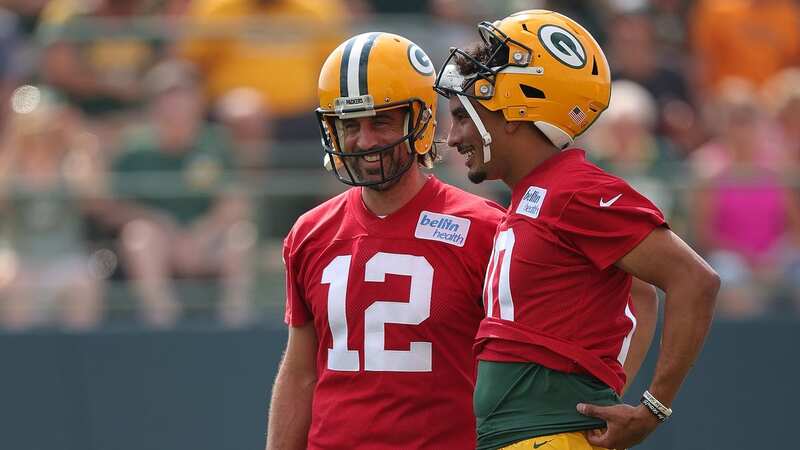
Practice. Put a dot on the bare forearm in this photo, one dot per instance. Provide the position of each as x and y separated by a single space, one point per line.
688 311
290 411
229 211
691 285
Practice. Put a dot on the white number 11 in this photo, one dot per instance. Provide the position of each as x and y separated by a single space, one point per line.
503 248
417 309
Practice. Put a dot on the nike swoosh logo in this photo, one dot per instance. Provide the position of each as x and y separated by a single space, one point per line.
535 445
610 202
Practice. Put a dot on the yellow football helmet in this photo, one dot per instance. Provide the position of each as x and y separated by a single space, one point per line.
369 73
541 67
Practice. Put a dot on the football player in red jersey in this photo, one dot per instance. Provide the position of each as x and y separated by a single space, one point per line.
384 281
554 341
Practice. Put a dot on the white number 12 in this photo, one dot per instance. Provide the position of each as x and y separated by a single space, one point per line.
417 309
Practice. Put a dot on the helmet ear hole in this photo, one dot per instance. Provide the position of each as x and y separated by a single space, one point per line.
531 92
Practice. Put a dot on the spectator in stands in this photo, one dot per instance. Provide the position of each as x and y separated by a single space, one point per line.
96 56
746 218
625 142
636 54
669 27
749 39
736 99
181 211
781 94
248 120
273 46
47 171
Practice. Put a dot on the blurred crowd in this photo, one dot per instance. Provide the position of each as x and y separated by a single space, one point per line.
153 153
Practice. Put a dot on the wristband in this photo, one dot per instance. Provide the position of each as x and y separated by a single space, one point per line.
656 407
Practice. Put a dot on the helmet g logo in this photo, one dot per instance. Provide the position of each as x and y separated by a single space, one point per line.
419 60
563 46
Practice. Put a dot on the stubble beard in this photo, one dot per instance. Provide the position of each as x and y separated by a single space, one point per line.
391 169
477 176
384 186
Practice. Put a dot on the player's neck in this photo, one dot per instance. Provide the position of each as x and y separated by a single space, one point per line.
524 160
383 203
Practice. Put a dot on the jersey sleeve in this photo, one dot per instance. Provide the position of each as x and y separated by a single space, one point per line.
297 312
606 222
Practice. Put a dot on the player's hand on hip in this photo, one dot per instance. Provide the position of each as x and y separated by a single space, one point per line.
626 425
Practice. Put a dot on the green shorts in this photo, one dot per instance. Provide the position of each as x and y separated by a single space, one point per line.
518 401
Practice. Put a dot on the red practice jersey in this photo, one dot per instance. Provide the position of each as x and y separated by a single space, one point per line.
395 303
553 295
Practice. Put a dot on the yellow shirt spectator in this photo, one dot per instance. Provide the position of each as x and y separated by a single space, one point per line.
273 46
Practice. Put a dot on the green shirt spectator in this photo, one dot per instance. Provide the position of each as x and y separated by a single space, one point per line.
182 184
177 209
